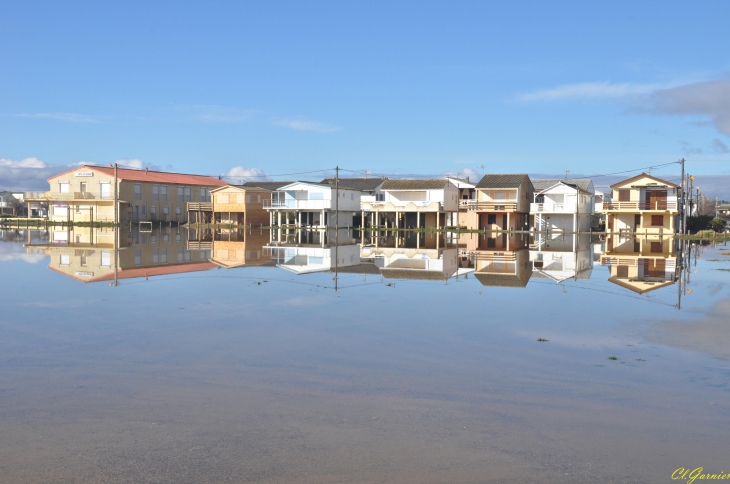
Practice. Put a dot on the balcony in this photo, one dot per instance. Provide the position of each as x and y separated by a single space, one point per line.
494 206
656 205
553 208
402 206
200 206
69 196
292 204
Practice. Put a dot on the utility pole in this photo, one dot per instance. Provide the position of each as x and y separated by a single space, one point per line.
337 221
684 202
116 197
689 192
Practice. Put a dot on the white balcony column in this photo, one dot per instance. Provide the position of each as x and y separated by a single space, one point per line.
507 227
362 219
397 222
278 218
575 222
418 219
299 218
321 220
271 218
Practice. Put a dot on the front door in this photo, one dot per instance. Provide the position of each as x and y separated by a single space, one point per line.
637 222
656 199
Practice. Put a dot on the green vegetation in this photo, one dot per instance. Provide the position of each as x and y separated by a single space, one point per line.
614 358
543 340
718 224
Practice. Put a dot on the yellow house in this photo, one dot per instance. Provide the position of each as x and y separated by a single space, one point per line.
239 248
240 205
642 204
87 194
641 264
502 203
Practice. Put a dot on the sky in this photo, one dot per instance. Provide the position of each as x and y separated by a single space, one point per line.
289 90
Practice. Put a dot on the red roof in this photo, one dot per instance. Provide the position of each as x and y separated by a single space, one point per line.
161 270
126 174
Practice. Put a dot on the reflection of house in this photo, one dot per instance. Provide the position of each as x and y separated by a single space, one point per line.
501 260
641 264
562 205
90 255
502 203
312 204
238 248
600 198
9 204
87 193
563 257
306 251
240 205
412 263
645 204
415 203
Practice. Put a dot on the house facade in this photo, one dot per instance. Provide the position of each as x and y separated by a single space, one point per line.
641 264
370 192
412 204
9 203
502 202
311 204
87 194
562 205
240 205
562 257
642 204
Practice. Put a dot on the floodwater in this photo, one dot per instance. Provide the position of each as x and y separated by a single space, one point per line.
304 357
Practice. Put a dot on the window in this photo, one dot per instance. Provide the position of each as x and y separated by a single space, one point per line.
155 192
137 191
64 187
83 259
144 208
491 218
155 256
163 256
622 271
656 247
657 220
258 198
204 195
180 254
163 192
178 238
83 187
178 210
138 257
624 195
153 210
166 238
491 243
65 259
316 196
106 258
180 196
166 210
188 194
248 198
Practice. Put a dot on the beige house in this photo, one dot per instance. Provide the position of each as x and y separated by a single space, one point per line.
240 205
240 248
87 194
642 204
93 255
502 202
641 264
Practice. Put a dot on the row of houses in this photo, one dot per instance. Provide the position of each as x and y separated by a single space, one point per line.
498 202
639 264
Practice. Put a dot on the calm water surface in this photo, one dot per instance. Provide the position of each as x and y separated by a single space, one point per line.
230 357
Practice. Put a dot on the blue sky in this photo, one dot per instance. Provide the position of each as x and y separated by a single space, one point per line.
396 88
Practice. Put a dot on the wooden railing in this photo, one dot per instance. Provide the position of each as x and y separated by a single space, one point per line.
506 206
654 205
200 206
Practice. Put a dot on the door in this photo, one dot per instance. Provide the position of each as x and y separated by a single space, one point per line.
136 213
656 199
655 268
637 222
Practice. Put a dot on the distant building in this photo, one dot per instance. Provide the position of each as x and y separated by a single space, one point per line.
87 193
9 203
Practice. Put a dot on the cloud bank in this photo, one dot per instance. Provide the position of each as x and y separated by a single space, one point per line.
240 174
586 90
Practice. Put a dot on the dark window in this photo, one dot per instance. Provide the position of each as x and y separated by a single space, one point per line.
491 243
491 218
657 220
624 195
656 247
622 271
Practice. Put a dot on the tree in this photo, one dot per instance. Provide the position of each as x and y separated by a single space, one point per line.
717 224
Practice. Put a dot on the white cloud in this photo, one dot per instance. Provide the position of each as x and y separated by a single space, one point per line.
27 174
473 175
137 164
69 117
243 174
585 90
306 125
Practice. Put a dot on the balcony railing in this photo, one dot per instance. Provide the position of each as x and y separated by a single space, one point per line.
298 204
496 206
200 207
654 205
52 196
553 207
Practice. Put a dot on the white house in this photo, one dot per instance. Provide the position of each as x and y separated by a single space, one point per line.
563 205
307 251
414 203
420 264
563 257
313 204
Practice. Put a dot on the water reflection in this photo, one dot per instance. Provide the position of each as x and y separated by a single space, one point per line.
639 265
